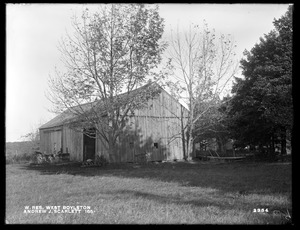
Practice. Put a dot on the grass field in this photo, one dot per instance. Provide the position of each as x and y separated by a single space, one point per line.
164 193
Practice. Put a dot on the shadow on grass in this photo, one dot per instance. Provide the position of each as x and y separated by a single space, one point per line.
162 199
214 203
242 178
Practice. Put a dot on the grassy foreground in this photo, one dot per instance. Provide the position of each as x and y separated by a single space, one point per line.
164 193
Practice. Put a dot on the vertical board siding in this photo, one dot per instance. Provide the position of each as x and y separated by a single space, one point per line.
42 141
51 140
101 150
73 140
160 123
56 141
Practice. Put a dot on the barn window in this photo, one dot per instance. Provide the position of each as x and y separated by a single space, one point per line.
155 145
131 144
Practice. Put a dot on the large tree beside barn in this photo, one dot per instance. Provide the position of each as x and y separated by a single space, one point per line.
261 109
113 51
202 65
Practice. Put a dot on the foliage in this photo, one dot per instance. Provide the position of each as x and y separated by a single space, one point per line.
19 158
33 138
41 159
46 159
17 147
213 124
100 161
261 109
113 51
18 152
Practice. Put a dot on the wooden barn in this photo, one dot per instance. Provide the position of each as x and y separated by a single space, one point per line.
155 131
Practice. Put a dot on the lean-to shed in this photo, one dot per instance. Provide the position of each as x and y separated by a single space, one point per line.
155 129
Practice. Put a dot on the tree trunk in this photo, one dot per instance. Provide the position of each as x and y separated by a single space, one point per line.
272 146
283 141
112 149
221 147
190 148
183 135
190 142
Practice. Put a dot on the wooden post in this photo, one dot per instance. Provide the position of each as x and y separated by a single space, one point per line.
283 141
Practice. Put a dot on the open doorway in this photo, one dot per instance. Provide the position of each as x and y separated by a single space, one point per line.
89 144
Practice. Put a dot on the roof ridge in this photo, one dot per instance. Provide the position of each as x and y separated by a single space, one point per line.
59 119
99 100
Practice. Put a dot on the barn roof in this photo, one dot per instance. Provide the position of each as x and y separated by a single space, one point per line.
69 115
66 116
56 121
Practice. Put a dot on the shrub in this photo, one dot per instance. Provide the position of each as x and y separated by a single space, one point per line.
99 161
40 159
19 158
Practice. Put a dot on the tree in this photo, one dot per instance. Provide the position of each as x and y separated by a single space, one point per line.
244 117
113 51
33 137
202 68
213 124
261 108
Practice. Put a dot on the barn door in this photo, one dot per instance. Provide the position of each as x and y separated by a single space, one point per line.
89 145
52 141
156 149
56 141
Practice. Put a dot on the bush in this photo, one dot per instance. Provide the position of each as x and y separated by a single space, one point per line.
99 161
40 158
19 158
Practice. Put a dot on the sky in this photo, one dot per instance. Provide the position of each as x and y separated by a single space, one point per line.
34 30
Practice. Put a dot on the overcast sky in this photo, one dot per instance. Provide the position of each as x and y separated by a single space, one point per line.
33 32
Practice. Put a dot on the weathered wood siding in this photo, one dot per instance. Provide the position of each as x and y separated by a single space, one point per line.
51 140
124 151
100 148
160 123
128 143
73 140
